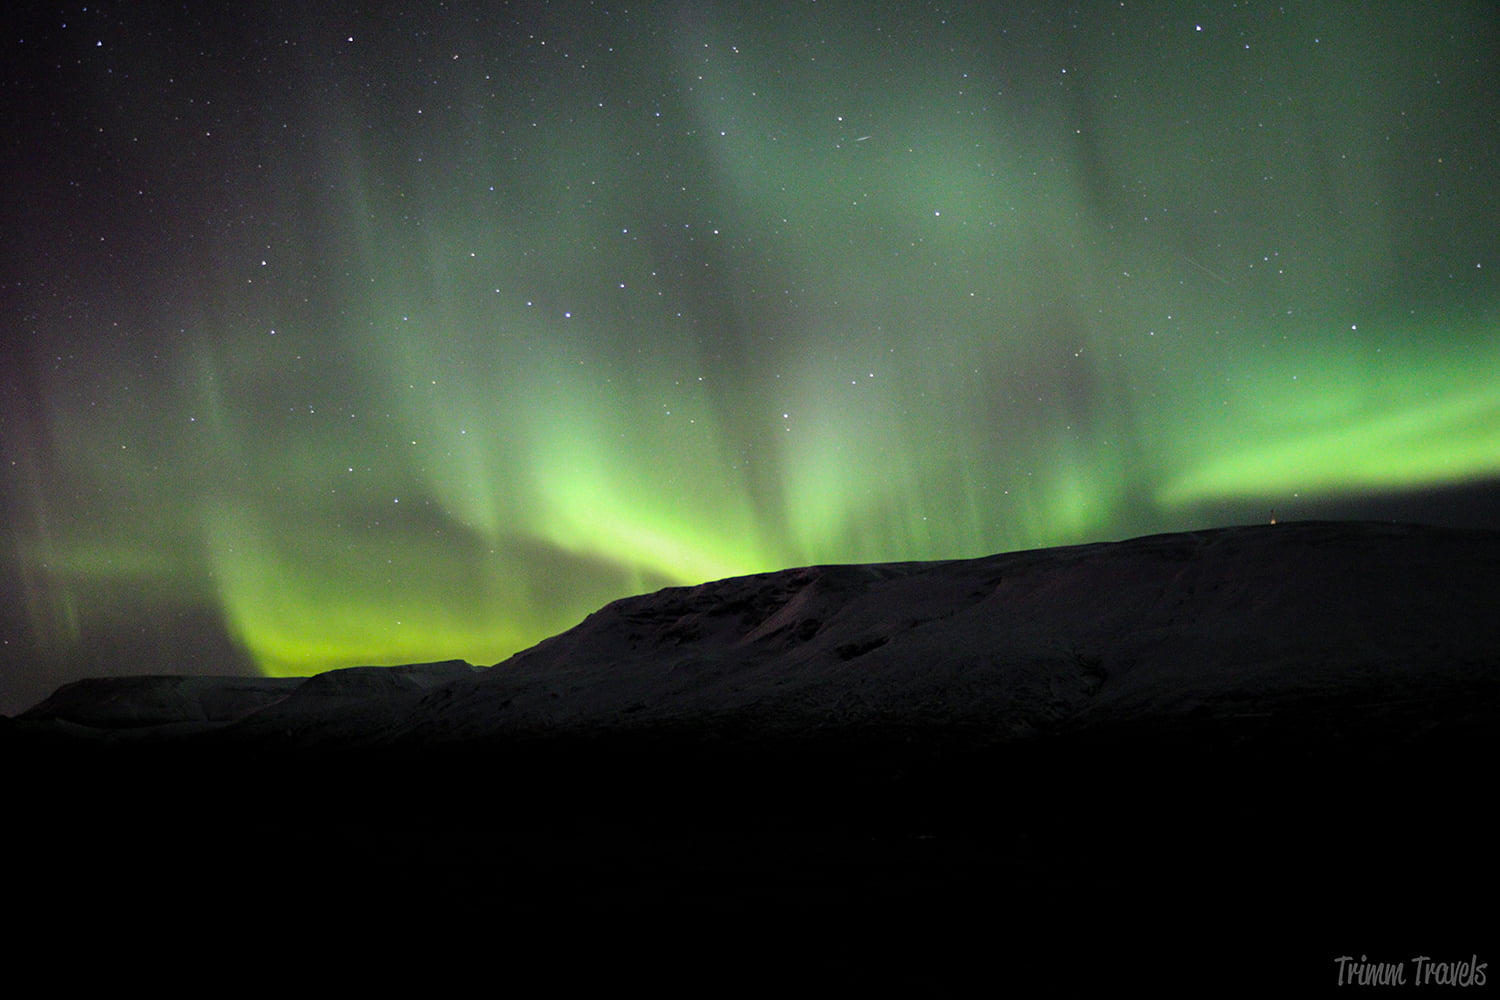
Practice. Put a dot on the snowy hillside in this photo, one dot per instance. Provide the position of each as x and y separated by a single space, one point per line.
1203 761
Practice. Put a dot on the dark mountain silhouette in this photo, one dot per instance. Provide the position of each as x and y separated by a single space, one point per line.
1240 752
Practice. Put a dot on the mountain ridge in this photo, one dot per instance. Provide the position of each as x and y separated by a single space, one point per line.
1222 758
1159 625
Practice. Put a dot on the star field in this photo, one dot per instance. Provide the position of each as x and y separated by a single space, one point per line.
382 333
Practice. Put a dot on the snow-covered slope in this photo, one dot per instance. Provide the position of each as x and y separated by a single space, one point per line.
1221 757
1225 621
1228 620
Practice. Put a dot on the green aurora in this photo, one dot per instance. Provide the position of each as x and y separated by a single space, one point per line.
351 337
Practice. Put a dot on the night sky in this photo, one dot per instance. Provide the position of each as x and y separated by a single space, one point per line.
376 333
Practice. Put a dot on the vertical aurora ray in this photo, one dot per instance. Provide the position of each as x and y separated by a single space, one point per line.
393 341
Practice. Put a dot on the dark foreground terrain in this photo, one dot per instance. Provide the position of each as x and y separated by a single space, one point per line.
1239 842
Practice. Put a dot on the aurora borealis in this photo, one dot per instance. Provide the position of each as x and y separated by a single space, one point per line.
379 333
